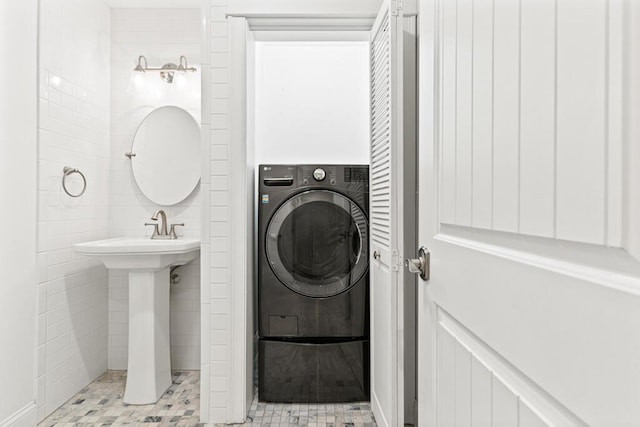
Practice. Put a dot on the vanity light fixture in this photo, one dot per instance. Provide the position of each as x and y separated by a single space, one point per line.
167 71
139 67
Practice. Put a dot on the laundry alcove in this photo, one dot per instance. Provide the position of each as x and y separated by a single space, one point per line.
248 22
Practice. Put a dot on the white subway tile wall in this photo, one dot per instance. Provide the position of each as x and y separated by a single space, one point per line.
162 36
73 131
89 111
205 274
215 369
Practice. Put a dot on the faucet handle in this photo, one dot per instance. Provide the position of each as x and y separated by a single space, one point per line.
156 231
172 231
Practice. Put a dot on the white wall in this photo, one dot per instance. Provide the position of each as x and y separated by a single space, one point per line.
312 102
18 181
161 35
215 364
74 324
631 239
74 131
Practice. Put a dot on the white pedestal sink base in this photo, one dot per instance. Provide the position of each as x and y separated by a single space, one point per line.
148 262
149 365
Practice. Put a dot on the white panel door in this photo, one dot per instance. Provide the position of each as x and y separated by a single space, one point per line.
531 315
385 220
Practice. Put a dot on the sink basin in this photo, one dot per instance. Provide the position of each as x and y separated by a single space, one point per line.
148 263
133 253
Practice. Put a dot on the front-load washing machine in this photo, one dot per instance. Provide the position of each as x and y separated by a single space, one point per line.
313 283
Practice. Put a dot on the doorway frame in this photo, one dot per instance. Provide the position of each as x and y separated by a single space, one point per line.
259 18
241 31
244 22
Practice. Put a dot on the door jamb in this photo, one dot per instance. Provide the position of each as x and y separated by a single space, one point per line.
240 354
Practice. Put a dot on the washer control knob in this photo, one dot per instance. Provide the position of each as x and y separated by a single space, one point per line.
319 174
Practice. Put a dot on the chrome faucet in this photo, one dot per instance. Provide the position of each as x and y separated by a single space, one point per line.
163 222
160 230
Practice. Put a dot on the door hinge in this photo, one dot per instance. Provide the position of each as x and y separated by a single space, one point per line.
396 264
397 7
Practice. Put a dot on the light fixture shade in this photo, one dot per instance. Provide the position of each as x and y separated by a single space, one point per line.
168 72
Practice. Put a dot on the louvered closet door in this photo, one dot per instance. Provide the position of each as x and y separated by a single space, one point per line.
386 134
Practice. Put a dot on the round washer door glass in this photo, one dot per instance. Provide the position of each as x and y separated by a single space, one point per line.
316 243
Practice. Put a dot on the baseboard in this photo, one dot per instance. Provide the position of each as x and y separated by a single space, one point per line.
25 417
376 408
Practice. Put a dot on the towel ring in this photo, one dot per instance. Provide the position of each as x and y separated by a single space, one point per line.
68 171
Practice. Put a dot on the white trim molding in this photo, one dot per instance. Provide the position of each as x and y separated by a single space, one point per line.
313 8
205 233
546 408
231 395
303 8
608 267
308 36
241 227
304 25
25 416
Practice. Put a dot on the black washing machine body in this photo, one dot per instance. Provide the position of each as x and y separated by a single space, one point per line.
313 279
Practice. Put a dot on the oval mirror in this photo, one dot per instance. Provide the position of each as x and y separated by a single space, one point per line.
166 165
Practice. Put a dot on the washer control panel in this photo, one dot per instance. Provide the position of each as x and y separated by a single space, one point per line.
319 174
351 177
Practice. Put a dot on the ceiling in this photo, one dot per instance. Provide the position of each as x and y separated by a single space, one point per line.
155 3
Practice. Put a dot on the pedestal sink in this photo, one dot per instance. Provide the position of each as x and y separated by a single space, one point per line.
148 263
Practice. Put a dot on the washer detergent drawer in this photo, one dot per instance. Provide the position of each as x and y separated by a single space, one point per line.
313 373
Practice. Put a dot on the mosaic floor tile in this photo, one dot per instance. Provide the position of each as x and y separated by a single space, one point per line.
100 404
267 414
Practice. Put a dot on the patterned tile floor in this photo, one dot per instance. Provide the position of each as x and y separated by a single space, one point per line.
310 415
100 404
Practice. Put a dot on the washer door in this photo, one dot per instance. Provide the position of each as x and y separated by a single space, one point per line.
317 243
